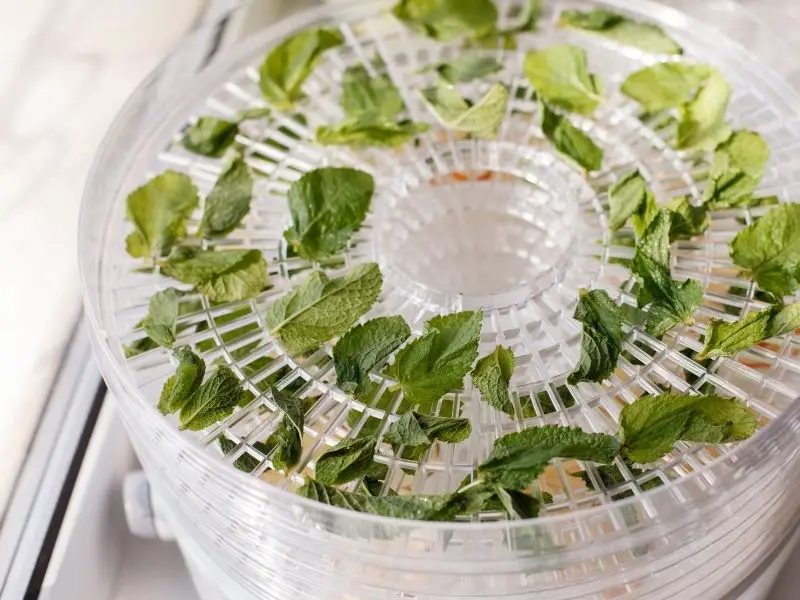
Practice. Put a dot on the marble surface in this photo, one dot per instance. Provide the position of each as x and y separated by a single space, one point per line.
66 67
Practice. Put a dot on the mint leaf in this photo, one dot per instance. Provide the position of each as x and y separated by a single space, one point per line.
246 462
626 197
665 85
560 75
769 250
687 220
210 136
517 504
362 134
644 215
468 68
161 322
651 425
701 122
214 401
364 347
183 384
727 338
491 376
517 459
446 20
289 64
571 141
220 275
415 430
437 362
229 200
159 210
320 309
327 205
601 340
619 28
288 437
365 96
736 171
669 302
346 461
526 17
455 112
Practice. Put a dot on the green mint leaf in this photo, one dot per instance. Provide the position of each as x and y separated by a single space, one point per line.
443 507
610 476
437 362
491 376
320 309
517 459
220 275
644 215
701 122
246 462
601 340
626 197
784 320
665 85
327 205
373 97
526 17
417 430
183 384
736 171
687 220
619 28
727 338
446 20
468 68
560 75
651 425
288 437
670 302
346 461
364 347
571 141
289 64
229 200
363 134
210 136
161 322
769 250
517 504
213 402
455 112
159 210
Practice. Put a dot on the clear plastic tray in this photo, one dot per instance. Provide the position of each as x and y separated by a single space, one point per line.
502 224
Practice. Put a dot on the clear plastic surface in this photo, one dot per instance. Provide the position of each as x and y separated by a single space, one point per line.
506 225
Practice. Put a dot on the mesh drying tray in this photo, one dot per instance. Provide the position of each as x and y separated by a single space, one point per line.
505 225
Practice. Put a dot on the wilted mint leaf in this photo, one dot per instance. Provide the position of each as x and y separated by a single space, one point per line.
365 96
467 68
364 347
769 250
362 134
288 437
229 200
159 210
601 340
665 85
628 196
437 362
161 322
346 461
455 112
327 205
214 401
571 141
517 459
687 220
210 136
491 376
320 309
560 75
620 28
445 20
220 275
415 430
727 338
523 18
289 64
651 425
701 122
181 386
736 171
